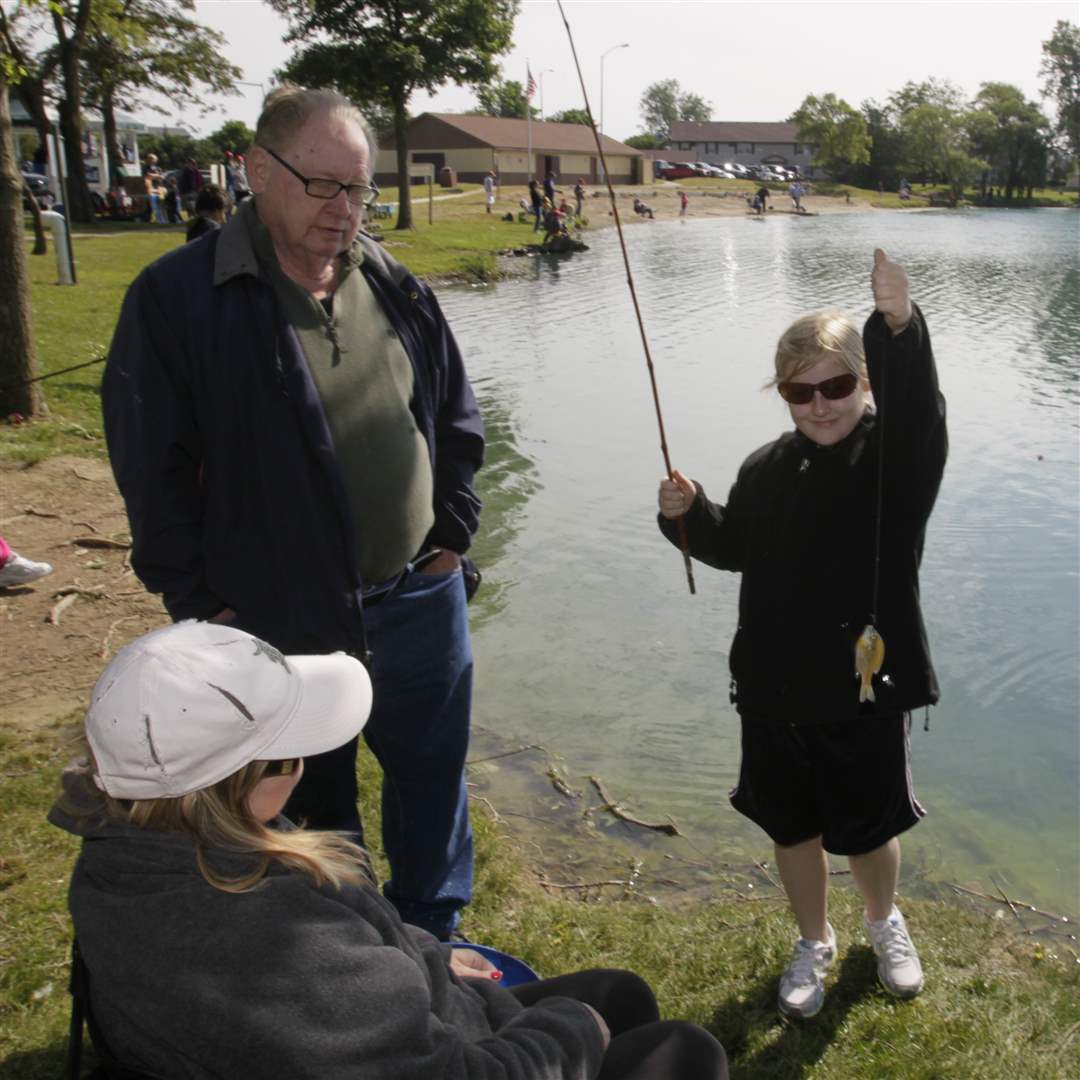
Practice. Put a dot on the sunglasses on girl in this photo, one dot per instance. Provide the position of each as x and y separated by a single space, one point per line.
802 393
282 767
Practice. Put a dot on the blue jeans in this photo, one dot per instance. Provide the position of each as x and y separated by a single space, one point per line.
421 671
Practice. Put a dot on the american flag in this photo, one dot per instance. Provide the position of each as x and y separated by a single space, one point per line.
530 84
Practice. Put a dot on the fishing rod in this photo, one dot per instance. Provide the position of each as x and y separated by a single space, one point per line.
684 543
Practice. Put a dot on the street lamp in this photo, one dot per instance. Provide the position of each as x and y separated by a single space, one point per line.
546 71
624 45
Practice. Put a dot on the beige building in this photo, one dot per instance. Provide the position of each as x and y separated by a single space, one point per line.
744 143
474 145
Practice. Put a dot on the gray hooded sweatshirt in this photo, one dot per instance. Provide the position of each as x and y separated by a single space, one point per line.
289 980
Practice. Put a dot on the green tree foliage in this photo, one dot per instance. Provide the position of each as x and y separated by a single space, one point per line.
643 142
665 102
570 116
885 166
1012 135
1060 69
939 92
380 51
233 135
835 129
504 97
936 146
150 46
171 150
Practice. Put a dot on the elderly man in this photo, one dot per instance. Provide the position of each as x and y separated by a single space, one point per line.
293 432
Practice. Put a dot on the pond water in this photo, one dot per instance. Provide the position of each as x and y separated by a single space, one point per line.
586 637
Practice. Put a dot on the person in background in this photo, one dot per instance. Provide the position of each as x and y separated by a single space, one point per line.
826 755
684 203
549 187
291 426
154 185
171 200
189 186
536 197
579 196
210 212
489 191
217 934
761 199
16 570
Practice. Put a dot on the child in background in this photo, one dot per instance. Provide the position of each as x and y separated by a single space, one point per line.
824 770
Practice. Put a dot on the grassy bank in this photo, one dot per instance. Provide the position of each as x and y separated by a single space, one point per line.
996 1005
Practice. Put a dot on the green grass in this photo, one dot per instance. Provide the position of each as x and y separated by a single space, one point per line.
996 1005
922 193
73 324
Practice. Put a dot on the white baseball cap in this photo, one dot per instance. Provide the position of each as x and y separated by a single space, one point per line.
183 707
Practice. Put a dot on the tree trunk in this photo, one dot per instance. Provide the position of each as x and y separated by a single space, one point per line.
18 357
78 190
41 246
404 220
113 157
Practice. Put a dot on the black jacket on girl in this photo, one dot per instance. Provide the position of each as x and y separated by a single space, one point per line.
800 525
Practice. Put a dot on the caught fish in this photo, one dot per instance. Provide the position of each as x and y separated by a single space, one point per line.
869 656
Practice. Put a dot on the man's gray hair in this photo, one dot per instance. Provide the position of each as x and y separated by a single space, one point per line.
288 108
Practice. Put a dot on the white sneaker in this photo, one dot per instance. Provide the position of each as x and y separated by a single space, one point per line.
897 961
802 986
20 571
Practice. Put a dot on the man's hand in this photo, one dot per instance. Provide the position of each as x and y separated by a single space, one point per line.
469 964
676 496
891 297
446 562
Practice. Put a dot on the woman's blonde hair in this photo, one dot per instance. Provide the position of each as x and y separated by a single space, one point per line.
218 818
815 336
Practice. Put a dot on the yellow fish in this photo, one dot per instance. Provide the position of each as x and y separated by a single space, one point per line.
869 656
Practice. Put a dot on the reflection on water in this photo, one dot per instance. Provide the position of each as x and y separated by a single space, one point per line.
587 639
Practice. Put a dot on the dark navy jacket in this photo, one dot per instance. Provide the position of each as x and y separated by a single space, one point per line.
222 452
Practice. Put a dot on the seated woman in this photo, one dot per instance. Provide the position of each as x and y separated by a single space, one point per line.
222 941
642 209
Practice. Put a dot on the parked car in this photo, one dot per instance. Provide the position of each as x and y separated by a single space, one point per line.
737 169
42 189
659 165
679 171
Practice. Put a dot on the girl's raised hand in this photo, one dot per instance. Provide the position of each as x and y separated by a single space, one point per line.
677 495
891 296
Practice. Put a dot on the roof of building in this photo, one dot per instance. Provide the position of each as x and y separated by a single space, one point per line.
733 131
507 133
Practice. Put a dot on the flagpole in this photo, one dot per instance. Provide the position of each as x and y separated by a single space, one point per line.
528 119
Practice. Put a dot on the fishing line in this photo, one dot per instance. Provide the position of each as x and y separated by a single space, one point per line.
684 544
880 402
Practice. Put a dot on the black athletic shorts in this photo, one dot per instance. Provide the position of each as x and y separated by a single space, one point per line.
848 782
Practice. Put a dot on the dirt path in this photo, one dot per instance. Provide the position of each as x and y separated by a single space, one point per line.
48 669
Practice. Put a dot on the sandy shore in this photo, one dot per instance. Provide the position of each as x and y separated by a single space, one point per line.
663 199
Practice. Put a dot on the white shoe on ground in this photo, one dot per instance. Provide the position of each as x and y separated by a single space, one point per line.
897 961
802 986
20 571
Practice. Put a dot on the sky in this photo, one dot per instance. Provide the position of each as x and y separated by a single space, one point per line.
750 61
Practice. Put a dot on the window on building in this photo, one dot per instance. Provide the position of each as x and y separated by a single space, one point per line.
798 150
